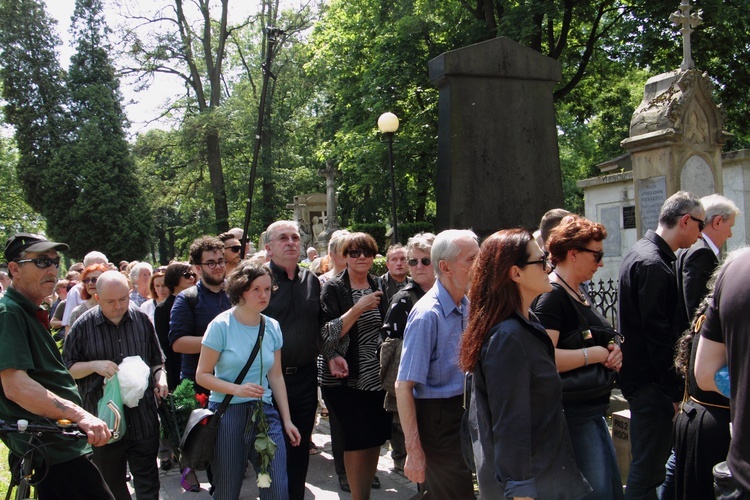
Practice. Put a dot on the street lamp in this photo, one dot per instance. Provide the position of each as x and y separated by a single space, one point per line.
388 125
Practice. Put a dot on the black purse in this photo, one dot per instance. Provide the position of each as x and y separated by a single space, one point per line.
594 380
199 439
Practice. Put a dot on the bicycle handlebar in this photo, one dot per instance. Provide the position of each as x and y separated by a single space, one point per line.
62 426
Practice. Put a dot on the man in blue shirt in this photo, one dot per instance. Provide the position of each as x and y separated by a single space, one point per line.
430 385
195 307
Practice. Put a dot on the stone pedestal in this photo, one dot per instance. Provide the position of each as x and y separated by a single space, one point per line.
676 137
498 158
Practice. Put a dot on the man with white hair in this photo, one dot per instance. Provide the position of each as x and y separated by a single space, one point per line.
74 295
430 385
140 275
98 342
696 264
312 254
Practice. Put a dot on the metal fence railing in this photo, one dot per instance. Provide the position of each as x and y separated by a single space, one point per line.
604 297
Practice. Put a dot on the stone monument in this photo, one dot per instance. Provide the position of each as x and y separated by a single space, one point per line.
332 220
498 160
309 209
676 134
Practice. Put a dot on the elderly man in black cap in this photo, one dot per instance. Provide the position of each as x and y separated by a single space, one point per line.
35 384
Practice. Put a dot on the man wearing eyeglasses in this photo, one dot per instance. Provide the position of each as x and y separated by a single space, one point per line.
295 304
197 306
35 383
648 303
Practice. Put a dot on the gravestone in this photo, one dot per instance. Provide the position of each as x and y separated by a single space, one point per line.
498 159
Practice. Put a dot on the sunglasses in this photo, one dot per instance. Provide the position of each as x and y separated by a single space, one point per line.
234 248
701 223
598 254
188 275
355 254
543 261
424 260
42 262
90 280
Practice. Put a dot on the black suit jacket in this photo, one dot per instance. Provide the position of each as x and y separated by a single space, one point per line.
694 268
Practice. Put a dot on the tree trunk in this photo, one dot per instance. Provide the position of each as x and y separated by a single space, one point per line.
213 156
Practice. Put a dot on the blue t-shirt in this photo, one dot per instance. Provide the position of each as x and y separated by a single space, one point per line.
235 341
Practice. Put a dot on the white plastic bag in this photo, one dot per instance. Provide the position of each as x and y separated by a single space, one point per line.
133 374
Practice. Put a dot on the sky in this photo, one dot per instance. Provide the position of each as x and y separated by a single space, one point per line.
141 107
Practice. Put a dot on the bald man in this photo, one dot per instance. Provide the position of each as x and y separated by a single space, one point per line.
98 342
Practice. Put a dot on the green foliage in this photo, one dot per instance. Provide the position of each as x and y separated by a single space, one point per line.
34 94
15 214
374 229
105 208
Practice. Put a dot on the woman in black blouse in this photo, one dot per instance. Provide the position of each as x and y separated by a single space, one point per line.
521 449
353 309
576 252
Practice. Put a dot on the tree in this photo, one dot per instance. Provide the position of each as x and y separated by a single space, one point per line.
15 214
195 52
104 207
34 93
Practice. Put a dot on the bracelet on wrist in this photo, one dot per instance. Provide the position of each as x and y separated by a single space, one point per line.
585 357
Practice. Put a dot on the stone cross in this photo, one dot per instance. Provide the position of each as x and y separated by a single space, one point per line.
687 21
296 206
330 173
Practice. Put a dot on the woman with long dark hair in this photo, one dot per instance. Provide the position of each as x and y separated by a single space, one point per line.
522 449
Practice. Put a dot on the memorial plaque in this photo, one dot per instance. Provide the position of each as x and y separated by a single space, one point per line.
628 217
610 217
652 193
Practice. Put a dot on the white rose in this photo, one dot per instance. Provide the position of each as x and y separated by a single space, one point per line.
264 480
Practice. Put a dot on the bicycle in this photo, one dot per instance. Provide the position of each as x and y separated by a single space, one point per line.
24 476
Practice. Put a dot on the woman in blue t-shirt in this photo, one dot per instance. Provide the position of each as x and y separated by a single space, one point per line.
227 344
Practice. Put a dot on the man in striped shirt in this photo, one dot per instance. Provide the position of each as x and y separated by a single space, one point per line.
98 342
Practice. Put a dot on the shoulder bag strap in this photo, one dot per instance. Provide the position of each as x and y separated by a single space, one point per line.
222 408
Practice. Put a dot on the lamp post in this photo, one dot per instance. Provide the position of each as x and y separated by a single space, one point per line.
388 125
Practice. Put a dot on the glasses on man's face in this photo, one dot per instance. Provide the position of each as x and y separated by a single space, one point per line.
598 254
42 262
355 254
234 248
543 261
211 264
701 223
92 280
424 260
188 275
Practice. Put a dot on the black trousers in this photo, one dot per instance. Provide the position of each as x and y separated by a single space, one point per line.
73 480
439 423
302 393
113 459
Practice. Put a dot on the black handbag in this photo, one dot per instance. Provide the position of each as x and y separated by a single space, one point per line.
199 438
594 380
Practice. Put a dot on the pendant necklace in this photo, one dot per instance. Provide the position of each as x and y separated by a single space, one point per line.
581 296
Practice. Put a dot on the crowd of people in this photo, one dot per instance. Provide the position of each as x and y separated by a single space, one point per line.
486 358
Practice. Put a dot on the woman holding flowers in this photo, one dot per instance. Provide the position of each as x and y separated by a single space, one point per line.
227 344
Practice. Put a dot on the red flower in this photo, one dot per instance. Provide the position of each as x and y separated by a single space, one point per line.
202 400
